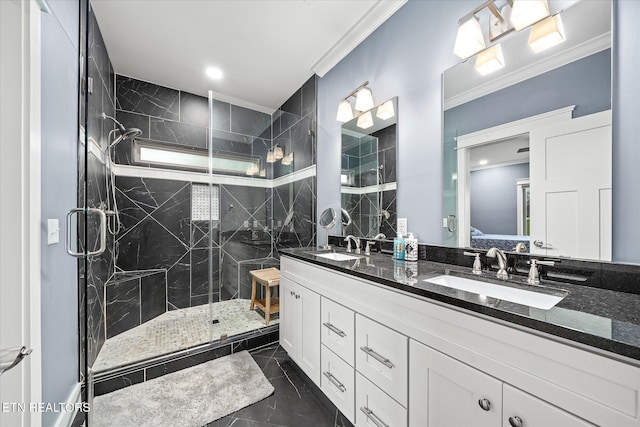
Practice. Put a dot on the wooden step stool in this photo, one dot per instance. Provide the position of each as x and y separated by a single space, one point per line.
268 277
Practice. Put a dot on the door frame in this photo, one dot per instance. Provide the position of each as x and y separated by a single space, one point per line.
20 189
487 136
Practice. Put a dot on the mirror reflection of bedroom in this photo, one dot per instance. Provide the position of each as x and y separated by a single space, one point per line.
499 194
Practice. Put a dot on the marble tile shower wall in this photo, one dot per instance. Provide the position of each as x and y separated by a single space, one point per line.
98 269
294 128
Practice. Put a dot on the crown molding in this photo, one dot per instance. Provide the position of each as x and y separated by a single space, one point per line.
379 13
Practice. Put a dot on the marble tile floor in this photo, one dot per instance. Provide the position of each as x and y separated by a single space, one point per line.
296 402
179 329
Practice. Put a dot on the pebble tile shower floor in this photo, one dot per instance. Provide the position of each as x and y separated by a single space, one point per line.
179 329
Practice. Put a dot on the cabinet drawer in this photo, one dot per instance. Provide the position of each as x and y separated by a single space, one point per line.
376 408
382 357
522 409
338 382
338 327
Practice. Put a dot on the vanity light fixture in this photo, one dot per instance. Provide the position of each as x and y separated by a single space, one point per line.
365 120
277 152
470 39
490 60
364 99
546 34
385 111
527 12
364 102
345 112
288 159
263 173
253 169
271 158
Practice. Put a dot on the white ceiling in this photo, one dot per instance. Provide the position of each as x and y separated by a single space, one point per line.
500 153
266 48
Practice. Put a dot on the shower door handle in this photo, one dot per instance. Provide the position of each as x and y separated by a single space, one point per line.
102 229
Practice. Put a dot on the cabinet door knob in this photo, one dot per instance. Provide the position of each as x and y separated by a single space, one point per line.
297 296
516 421
484 404
292 293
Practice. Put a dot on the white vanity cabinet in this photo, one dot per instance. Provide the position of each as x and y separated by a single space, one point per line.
523 410
418 362
444 392
300 326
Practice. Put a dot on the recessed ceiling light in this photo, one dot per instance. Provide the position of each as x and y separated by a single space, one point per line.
214 73
483 162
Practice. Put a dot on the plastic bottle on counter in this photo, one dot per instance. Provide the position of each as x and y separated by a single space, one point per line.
398 247
411 248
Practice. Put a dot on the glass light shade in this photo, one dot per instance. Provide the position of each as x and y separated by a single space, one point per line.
263 173
470 39
364 99
277 152
527 12
365 120
546 33
490 60
345 113
271 158
288 159
385 111
253 169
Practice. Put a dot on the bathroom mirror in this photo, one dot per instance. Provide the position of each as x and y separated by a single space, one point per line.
503 151
368 173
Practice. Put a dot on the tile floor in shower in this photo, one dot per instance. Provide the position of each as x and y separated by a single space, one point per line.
179 329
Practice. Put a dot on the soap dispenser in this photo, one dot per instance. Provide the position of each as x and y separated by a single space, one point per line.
398 247
411 248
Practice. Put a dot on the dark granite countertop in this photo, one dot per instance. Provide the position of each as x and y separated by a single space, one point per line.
605 319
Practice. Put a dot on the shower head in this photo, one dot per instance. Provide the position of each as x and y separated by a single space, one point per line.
125 134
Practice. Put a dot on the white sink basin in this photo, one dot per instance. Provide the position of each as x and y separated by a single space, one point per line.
506 293
335 256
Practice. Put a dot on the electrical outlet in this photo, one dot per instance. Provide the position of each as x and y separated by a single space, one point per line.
246 224
402 226
255 223
279 223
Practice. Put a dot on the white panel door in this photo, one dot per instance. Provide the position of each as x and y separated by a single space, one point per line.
309 324
444 392
570 173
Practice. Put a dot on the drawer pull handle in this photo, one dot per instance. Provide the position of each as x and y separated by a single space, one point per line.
516 421
335 381
484 404
334 329
373 417
386 362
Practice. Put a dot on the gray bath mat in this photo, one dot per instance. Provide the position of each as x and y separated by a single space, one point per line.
191 397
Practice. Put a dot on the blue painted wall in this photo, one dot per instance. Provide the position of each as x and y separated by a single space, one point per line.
60 358
493 198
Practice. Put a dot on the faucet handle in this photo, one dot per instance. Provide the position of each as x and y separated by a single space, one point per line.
534 275
367 250
477 264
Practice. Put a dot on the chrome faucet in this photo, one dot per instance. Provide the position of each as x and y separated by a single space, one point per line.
520 247
502 262
367 250
355 239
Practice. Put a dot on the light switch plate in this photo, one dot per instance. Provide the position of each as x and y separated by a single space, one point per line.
53 231
402 226
246 224
444 222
